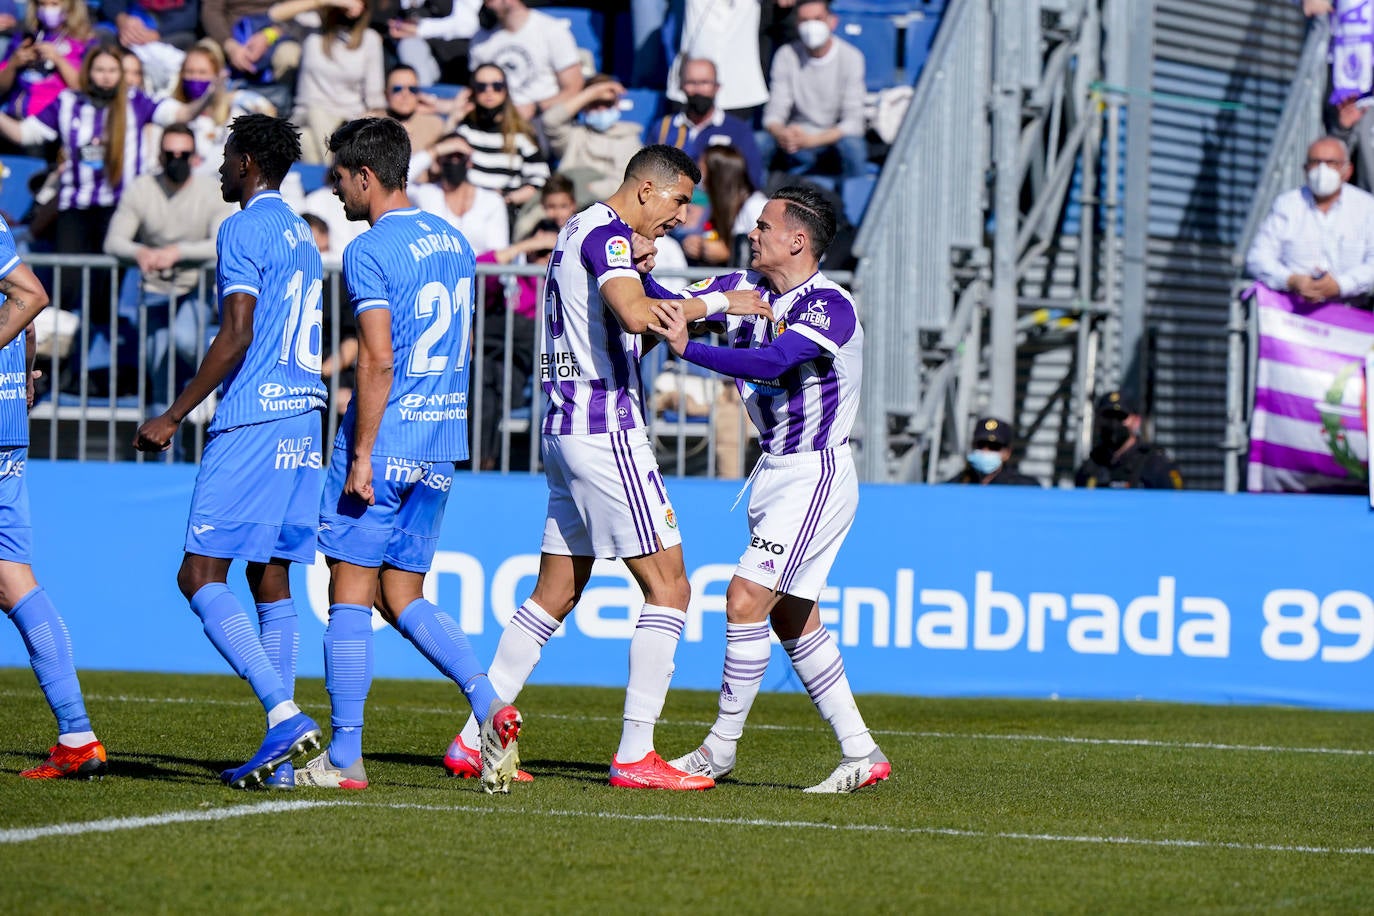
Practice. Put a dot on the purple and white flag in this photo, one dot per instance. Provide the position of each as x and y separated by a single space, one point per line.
1307 432
1352 49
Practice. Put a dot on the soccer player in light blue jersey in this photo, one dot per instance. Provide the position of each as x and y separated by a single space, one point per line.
257 494
410 279
77 753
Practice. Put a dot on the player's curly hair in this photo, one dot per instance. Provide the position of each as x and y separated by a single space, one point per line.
809 208
662 163
381 144
273 143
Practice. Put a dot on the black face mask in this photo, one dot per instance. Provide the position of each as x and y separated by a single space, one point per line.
1111 434
486 19
485 118
454 172
697 105
176 169
101 97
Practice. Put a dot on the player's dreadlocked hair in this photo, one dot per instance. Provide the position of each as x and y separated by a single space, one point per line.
381 144
273 143
806 206
662 163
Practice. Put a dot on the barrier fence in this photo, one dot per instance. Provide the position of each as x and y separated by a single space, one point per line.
113 352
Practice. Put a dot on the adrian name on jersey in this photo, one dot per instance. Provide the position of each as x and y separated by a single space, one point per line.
426 245
420 408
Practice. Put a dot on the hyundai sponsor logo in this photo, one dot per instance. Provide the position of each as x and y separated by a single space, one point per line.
413 401
271 390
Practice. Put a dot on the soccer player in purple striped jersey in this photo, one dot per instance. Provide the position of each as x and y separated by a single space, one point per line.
798 371
606 496
257 494
77 754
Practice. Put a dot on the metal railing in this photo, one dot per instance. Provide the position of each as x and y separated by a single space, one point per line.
1300 124
103 377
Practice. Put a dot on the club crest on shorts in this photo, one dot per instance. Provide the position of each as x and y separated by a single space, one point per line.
670 517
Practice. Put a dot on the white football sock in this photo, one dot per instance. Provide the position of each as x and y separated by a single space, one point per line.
746 659
517 653
652 648
816 659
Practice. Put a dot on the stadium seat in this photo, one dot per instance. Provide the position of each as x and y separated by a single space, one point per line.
918 37
641 106
313 175
444 90
15 198
888 7
876 39
855 192
586 29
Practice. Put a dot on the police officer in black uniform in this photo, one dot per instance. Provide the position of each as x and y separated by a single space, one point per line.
990 460
1120 458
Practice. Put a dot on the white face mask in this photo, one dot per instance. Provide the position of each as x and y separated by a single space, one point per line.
814 33
1323 180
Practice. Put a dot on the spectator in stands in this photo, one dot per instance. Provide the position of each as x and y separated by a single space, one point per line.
170 22
1318 240
1120 458
593 145
701 123
727 33
519 296
816 106
204 72
99 128
403 104
166 223
10 33
41 66
558 199
535 51
479 213
431 36
735 207
260 52
989 462
341 72
505 154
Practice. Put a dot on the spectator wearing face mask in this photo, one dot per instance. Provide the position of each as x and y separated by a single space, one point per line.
1120 458
989 459
701 124
593 144
1318 240
204 76
166 224
478 213
48 59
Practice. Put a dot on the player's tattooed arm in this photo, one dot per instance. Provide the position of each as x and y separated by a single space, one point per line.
24 299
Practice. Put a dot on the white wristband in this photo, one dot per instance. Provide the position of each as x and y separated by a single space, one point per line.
717 305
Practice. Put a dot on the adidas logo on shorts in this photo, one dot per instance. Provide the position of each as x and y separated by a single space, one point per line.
767 566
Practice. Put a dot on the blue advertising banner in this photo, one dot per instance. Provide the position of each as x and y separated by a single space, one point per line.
938 591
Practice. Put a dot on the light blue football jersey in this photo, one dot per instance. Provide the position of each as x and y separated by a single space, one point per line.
268 251
422 270
14 408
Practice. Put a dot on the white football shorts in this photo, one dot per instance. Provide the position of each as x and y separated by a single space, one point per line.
606 497
801 507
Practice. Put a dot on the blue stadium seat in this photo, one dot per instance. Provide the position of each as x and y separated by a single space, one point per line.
586 28
855 192
444 90
887 7
313 175
15 198
876 39
919 36
641 106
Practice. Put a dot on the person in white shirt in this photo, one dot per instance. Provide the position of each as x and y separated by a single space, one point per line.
536 51
479 213
1318 240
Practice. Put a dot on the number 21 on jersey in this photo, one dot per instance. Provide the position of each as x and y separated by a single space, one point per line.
437 306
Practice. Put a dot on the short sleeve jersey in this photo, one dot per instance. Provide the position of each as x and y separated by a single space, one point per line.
812 406
268 252
422 270
531 57
14 370
588 363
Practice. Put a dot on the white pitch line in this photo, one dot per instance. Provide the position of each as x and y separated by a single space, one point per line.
116 824
944 736
28 834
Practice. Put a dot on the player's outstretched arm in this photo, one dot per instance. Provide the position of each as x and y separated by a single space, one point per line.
25 297
769 361
370 391
633 307
225 353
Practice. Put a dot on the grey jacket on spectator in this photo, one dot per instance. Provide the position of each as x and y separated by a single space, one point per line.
817 93
147 216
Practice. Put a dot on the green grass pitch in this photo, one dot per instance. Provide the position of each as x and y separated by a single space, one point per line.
994 806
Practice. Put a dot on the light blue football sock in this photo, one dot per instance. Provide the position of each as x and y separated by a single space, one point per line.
50 653
443 642
347 677
233 634
280 638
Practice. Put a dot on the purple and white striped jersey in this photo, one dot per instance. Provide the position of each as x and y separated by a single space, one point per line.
812 406
80 125
588 363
